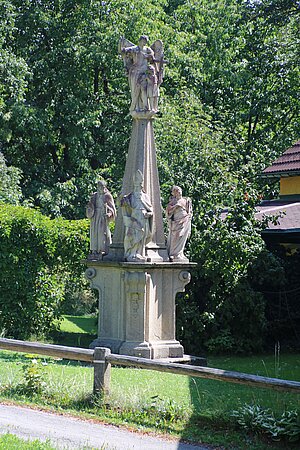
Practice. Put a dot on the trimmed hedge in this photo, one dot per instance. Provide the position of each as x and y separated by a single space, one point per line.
39 258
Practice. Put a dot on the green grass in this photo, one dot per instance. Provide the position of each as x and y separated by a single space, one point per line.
75 331
79 324
190 408
196 409
12 442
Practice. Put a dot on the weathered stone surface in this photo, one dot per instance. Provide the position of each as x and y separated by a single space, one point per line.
142 156
136 281
137 306
145 68
137 215
179 214
101 211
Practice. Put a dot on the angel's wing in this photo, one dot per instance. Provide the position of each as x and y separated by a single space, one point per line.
158 50
124 43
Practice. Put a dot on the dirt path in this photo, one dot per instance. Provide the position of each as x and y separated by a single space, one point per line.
67 432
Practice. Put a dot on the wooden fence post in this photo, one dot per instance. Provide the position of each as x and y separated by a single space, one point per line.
101 370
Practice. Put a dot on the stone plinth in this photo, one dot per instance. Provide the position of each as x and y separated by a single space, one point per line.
137 306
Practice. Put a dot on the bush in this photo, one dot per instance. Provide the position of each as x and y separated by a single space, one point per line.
39 261
256 419
224 309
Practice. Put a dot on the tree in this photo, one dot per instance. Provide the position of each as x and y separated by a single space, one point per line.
72 127
10 191
229 102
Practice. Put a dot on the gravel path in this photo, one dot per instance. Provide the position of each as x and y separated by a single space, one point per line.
67 432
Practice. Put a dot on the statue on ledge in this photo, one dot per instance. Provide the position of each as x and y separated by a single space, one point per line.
179 214
137 214
101 211
145 68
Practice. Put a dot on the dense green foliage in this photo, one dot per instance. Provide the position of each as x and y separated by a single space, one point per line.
229 105
39 266
233 77
10 191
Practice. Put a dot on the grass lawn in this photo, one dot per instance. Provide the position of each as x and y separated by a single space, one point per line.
196 409
75 331
79 324
190 408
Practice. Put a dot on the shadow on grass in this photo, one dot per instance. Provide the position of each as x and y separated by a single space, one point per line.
214 401
82 340
9 356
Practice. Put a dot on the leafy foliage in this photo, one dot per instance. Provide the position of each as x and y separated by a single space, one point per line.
10 190
64 118
39 258
254 418
33 382
229 306
229 104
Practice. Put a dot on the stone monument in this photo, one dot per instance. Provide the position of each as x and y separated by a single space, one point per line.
139 276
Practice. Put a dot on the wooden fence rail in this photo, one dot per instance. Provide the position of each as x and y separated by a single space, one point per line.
102 359
207 372
58 351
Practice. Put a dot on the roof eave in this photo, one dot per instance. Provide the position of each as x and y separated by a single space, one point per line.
279 174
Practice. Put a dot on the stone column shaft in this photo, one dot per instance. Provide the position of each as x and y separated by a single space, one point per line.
142 156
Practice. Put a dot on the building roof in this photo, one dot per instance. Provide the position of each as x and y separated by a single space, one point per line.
287 164
286 226
289 212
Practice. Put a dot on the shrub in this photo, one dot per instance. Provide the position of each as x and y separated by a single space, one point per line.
33 378
39 259
224 308
254 418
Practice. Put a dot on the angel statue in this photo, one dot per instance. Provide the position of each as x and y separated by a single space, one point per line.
145 68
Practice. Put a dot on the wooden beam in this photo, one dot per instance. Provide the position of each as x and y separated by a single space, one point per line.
102 360
102 371
57 351
207 372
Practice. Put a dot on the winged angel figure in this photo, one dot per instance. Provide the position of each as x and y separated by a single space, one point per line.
145 68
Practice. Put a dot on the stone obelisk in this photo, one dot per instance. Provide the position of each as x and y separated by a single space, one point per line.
142 156
136 281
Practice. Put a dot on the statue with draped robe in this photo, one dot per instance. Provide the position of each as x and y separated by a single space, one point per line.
144 67
137 218
179 214
101 211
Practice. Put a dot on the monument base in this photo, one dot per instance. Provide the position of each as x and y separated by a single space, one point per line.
137 306
155 350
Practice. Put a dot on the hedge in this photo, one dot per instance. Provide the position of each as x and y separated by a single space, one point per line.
39 257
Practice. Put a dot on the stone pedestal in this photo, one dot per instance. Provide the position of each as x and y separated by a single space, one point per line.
137 306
